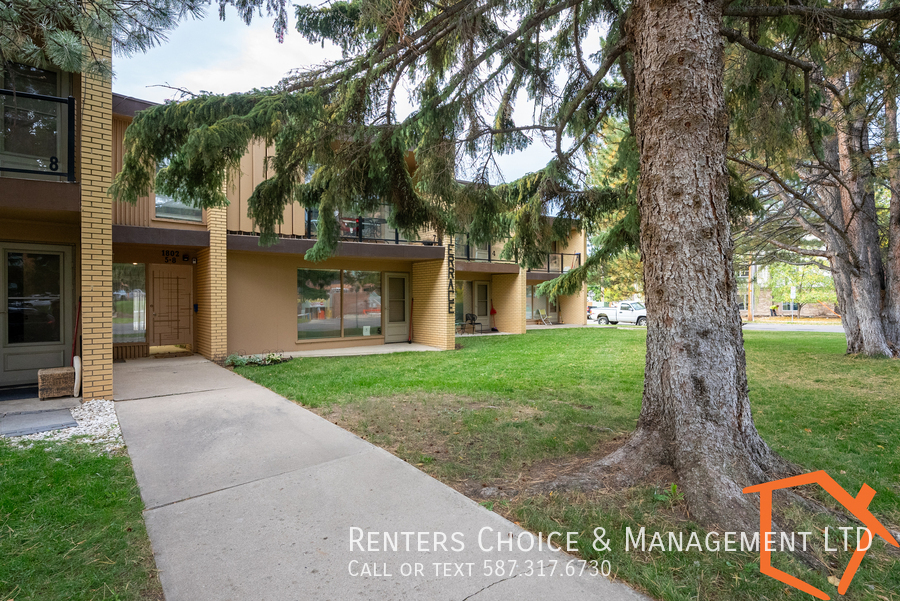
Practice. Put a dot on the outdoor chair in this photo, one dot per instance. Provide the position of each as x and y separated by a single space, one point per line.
472 320
544 319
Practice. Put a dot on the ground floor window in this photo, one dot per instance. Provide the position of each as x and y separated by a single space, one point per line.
338 303
129 303
361 303
535 302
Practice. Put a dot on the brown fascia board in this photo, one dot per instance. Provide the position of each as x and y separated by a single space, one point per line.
158 236
367 250
39 195
541 276
126 106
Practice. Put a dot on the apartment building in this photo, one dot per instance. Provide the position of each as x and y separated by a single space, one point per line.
83 275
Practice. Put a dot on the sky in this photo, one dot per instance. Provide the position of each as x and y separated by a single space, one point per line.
229 56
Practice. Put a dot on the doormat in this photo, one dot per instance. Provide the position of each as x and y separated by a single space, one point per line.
15 393
172 355
31 422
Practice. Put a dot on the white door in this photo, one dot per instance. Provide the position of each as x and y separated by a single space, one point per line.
396 317
170 305
482 301
36 317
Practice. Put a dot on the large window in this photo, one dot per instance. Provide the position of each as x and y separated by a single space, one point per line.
33 132
362 303
333 303
534 303
318 304
169 208
129 303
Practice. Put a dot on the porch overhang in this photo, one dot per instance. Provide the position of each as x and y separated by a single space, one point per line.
157 236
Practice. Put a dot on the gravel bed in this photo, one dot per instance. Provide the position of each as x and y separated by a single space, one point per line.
97 425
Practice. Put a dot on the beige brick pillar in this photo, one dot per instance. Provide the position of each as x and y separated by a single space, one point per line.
433 310
95 163
212 292
508 296
573 308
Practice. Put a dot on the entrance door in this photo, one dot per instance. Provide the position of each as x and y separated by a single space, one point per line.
396 327
483 303
170 305
35 310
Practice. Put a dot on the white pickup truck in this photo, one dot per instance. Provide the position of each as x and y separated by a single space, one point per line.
628 311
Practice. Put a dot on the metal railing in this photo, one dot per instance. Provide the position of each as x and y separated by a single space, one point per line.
53 166
559 262
370 228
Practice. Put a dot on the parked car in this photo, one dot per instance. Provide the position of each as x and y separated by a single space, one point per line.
627 311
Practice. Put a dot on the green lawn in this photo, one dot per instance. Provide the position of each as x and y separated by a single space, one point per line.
71 526
537 404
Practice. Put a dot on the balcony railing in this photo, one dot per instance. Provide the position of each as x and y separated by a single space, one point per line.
368 228
36 130
559 263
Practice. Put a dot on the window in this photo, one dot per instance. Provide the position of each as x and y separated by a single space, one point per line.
529 293
534 303
33 135
129 303
362 303
33 297
169 208
787 306
318 304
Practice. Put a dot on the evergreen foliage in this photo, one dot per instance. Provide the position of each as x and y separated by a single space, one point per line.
73 36
467 63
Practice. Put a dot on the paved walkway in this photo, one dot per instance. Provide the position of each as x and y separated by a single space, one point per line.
797 327
250 496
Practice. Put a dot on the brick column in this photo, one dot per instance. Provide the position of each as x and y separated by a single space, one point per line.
95 163
212 293
508 296
433 318
573 308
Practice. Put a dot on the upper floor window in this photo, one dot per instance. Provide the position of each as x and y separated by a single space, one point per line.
35 132
169 208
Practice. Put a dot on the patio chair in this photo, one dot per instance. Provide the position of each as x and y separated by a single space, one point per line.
472 320
544 319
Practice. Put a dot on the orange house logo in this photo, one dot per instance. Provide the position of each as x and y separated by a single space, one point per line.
858 506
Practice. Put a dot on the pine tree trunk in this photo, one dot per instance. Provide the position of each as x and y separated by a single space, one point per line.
861 227
696 410
892 268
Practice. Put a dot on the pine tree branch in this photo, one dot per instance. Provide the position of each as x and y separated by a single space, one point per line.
798 10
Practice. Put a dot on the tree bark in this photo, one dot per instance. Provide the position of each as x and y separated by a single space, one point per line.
892 268
861 226
696 413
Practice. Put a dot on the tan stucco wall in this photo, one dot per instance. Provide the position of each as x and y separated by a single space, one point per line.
262 301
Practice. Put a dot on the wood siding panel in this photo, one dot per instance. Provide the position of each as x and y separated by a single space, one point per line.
125 213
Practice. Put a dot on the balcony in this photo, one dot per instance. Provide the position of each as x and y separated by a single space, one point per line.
371 228
558 263
37 136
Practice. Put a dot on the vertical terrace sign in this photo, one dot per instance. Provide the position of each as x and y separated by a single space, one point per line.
451 276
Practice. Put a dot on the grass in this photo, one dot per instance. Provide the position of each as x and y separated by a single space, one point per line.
71 526
507 410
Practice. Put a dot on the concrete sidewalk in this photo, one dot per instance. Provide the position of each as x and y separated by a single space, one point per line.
250 496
